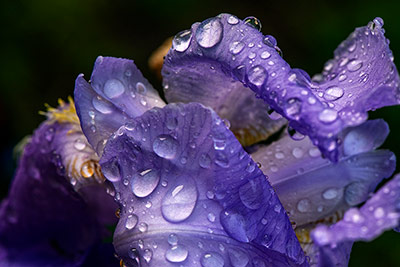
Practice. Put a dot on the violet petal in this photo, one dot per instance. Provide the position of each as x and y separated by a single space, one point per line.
189 193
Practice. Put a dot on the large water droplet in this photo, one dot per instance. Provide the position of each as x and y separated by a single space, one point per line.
180 201
379 213
209 33
79 144
258 75
333 93
265 55
147 255
212 259
205 161
238 257
144 183
177 254
113 88
253 22
165 146
111 170
181 41
297 152
131 221
327 116
236 47
354 65
234 225
173 239
330 193
270 40
101 106
250 194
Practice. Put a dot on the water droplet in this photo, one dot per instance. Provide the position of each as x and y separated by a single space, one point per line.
111 171
234 224
333 93
253 22
180 201
354 65
233 20
212 259
355 193
79 144
147 255
131 221
297 152
219 144
314 152
148 204
101 106
330 193
342 77
182 40
177 254
252 55
205 161
173 239
211 217
378 22
270 40
295 135
352 47
293 107
257 75
379 212
141 88
236 47
327 116
209 33
165 146
142 227
279 155
113 88
364 78
145 182
238 258
250 193
265 55
304 205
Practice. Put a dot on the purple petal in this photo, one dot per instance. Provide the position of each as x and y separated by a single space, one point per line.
381 212
323 187
289 92
190 194
117 91
44 221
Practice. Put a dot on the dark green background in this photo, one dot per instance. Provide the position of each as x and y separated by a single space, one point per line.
45 44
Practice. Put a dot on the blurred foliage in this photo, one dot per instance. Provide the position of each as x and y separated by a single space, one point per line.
45 44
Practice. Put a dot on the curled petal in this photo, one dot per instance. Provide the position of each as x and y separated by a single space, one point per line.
309 106
323 187
190 194
379 213
117 91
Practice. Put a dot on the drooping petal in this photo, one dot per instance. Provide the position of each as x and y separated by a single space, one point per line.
288 91
117 91
323 187
381 212
190 194
44 221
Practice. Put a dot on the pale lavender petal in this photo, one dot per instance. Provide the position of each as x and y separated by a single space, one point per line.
323 187
190 194
117 91
380 213
289 92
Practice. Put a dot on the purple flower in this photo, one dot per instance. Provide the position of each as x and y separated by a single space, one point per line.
194 184
57 210
191 195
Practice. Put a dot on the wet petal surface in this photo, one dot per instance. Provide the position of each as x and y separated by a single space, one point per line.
189 194
310 106
117 91
323 187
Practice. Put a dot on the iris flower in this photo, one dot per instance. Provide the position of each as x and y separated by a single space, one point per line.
211 179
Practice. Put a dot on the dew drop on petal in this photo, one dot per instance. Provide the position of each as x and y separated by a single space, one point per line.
212 259
270 40
205 161
209 33
144 183
257 75
131 221
101 106
253 22
304 205
141 88
165 146
111 170
172 239
236 47
182 40
233 20
147 255
330 193
79 144
113 88
238 258
327 116
177 253
180 201
354 65
333 93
